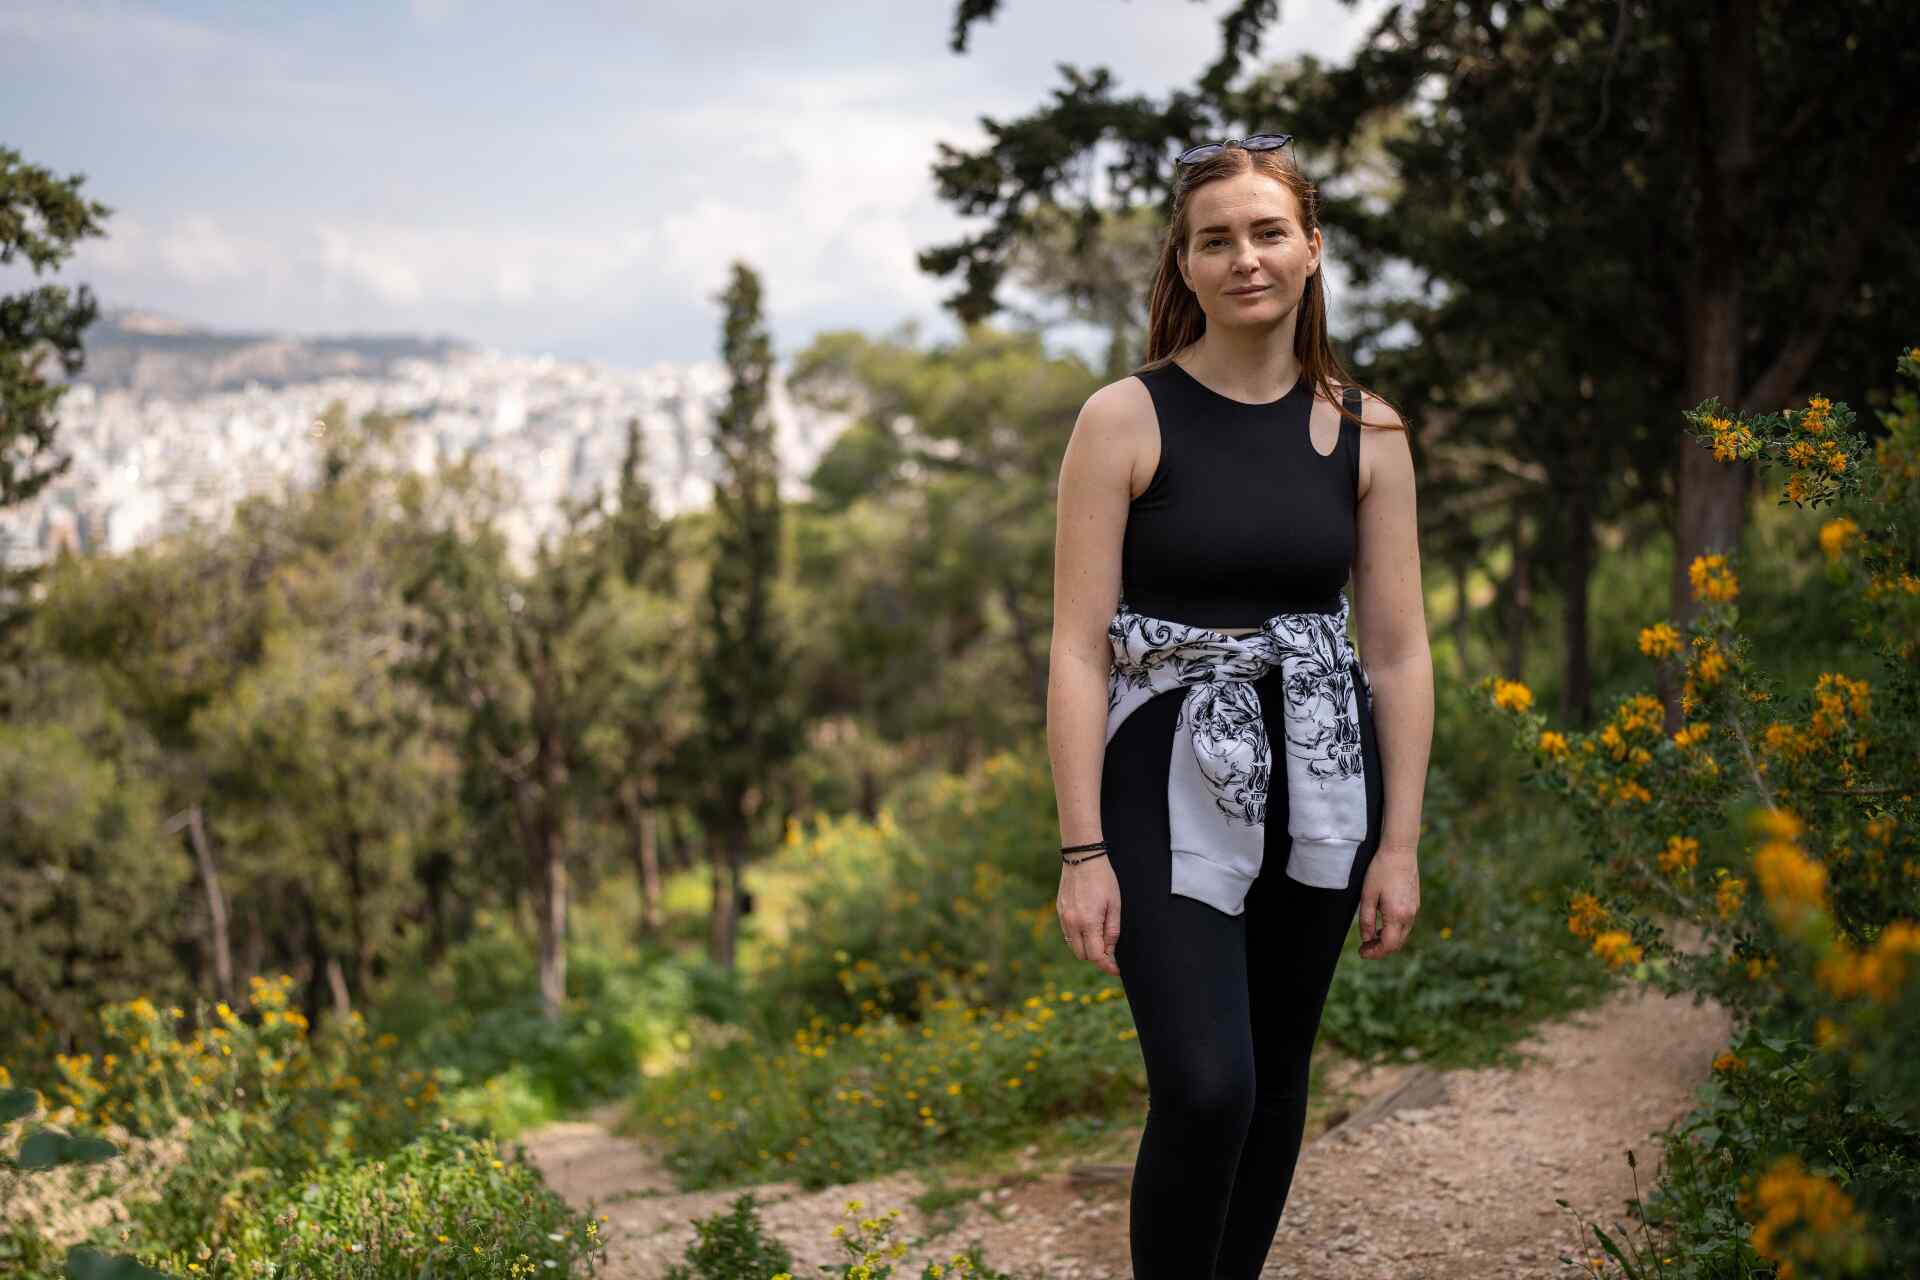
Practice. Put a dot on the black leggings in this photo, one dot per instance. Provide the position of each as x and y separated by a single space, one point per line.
1227 1007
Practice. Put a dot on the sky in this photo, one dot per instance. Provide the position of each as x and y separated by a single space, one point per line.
572 177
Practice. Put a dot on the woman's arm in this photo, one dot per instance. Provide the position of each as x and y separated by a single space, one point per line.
1096 485
1391 626
1096 477
1392 634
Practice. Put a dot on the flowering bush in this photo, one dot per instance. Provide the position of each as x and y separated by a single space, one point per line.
1812 920
874 1251
250 1143
850 1100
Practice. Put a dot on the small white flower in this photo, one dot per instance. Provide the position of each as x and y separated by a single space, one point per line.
555 1235
552 1263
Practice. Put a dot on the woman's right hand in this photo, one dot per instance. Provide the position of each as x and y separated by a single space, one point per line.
1089 910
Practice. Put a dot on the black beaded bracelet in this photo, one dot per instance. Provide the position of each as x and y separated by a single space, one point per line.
1082 848
1074 862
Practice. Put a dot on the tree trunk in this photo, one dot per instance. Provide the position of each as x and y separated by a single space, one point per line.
534 824
1023 639
1576 686
337 984
253 957
1462 631
724 854
216 903
643 820
1519 597
553 931
1709 496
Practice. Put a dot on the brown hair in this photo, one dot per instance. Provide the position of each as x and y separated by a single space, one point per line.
1174 317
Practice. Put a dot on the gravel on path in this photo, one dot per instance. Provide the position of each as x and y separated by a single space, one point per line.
1462 1188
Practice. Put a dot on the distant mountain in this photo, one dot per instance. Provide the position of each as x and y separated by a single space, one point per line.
160 355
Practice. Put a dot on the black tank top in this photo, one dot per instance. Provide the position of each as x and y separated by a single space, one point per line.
1243 518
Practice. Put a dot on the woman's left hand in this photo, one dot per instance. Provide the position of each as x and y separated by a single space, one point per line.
1392 890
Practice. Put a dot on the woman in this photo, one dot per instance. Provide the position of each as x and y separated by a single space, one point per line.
1212 506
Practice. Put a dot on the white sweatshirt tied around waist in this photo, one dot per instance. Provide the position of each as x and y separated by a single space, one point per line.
1222 764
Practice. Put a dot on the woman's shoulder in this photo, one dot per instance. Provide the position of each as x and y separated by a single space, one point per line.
1374 412
1119 403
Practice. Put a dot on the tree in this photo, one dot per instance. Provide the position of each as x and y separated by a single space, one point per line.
651 716
749 724
513 653
939 552
41 216
1660 202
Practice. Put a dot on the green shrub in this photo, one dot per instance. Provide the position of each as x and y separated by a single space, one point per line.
446 1200
250 1130
1482 965
735 1246
476 1018
841 1102
952 891
732 1246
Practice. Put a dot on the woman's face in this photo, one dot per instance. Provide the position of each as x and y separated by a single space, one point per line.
1244 233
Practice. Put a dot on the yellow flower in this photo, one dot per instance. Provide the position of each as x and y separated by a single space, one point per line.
1837 536
1880 972
1659 640
1681 854
1712 579
1788 1197
1779 824
1553 744
1631 791
1814 417
1711 664
1585 915
1615 946
1729 1061
1793 883
1728 897
1511 695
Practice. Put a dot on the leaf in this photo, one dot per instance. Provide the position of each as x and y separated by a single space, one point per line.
50 1148
15 1104
1626 1264
91 1264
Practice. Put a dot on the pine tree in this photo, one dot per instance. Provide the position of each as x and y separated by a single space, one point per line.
749 725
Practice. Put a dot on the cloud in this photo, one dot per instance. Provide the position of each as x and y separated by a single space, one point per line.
588 178
372 265
199 250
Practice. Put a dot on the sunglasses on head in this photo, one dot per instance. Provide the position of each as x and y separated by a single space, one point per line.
1258 142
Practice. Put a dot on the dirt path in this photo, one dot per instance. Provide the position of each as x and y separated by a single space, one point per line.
1464 1187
